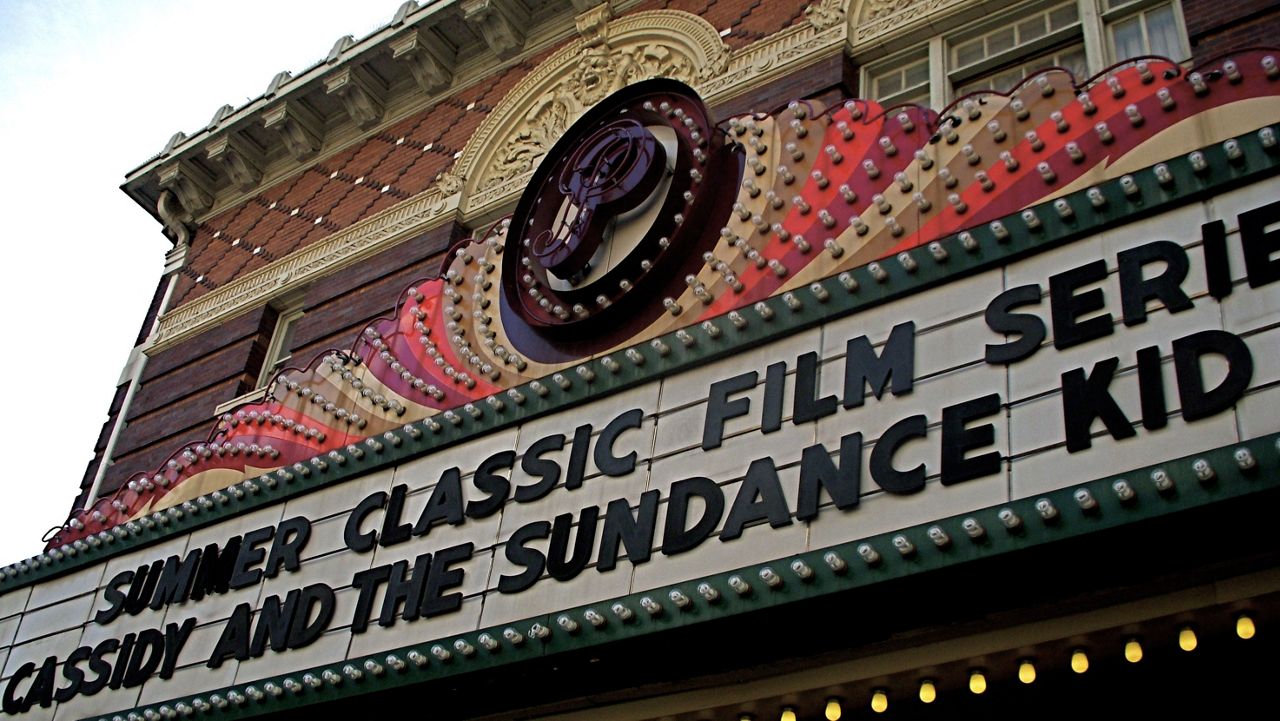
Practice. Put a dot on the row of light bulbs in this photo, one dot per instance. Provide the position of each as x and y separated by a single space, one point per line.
928 691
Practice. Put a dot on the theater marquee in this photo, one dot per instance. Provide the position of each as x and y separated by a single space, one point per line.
705 368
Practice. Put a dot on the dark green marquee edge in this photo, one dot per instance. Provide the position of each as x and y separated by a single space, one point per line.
891 278
1201 479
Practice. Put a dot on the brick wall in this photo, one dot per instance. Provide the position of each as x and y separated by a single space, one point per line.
1216 27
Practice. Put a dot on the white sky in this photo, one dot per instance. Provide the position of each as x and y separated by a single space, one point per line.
89 90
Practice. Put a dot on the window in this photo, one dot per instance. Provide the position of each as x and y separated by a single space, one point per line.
1083 36
1072 58
275 339
903 80
1153 31
278 348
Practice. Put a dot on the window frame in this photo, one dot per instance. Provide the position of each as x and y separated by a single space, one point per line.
277 352
1092 30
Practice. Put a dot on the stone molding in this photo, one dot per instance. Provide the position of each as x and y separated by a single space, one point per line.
876 20
693 52
371 235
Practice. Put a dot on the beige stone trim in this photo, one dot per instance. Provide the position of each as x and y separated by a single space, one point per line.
371 235
685 46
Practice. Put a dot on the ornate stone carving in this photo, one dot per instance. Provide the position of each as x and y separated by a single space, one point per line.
876 18
610 55
499 22
360 92
177 221
448 183
191 185
428 58
593 24
240 157
715 71
299 127
826 13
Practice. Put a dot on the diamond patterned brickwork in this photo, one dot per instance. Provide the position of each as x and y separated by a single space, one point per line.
400 161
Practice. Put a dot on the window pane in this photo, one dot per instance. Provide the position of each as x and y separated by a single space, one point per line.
1126 35
1030 30
888 85
917 74
1000 41
969 53
1063 16
1162 31
1074 60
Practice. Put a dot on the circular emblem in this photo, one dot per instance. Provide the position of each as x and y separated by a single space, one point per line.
614 217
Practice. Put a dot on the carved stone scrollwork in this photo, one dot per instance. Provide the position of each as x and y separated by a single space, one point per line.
361 94
240 157
178 223
499 22
299 127
448 184
429 58
875 18
826 13
191 185
609 55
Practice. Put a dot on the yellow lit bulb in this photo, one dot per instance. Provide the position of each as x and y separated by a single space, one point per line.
1133 651
1079 662
1244 627
788 714
879 702
833 710
1187 639
1027 672
927 691
977 682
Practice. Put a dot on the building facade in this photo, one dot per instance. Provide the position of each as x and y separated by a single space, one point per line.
698 360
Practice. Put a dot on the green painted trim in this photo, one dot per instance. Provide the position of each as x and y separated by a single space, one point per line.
977 249
1232 475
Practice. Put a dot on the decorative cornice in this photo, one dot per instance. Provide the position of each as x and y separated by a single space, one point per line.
876 20
424 211
241 157
360 92
300 128
430 60
724 75
795 48
504 150
499 22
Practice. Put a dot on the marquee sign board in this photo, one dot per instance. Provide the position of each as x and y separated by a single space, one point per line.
980 394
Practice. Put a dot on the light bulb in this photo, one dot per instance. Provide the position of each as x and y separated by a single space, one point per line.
1079 661
833 710
1133 651
977 682
879 701
788 714
1187 639
1027 672
927 691
1244 627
